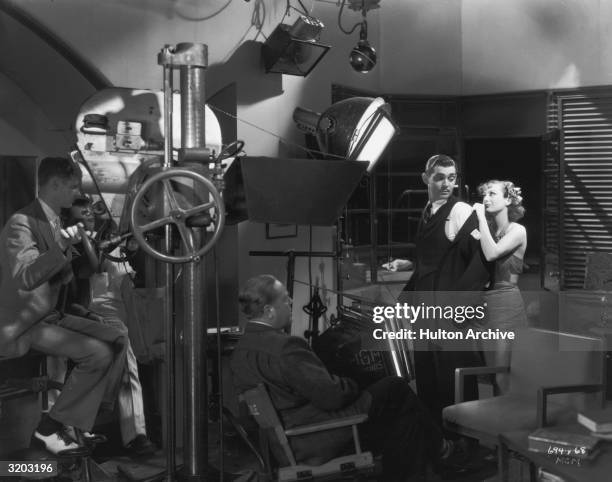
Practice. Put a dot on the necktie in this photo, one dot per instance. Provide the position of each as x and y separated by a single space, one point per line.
427 213
56 226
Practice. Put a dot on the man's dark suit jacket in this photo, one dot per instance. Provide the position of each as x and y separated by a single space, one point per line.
457 279
460 278
301 389
462 268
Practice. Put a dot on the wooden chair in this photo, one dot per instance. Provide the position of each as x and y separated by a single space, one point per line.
358 464
552 376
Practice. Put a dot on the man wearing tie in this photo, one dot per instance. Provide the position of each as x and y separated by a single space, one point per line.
35 263
448 258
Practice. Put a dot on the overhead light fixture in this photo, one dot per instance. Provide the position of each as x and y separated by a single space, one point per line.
363 56
358 129
294 49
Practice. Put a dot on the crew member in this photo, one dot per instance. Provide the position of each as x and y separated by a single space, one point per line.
35 263
103 297
303 391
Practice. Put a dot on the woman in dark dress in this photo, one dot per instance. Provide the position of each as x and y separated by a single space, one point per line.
504 241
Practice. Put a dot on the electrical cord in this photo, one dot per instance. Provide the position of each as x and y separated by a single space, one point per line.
347 32
303 7
310 292
259 16
81 160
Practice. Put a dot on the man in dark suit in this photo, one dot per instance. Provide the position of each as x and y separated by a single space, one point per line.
303 391
35 263
450 269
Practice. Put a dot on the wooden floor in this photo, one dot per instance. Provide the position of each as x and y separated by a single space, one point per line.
239 464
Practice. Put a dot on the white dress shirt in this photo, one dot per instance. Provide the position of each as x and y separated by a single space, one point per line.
456 218
53 218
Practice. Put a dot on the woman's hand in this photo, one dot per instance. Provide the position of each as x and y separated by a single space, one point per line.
480 210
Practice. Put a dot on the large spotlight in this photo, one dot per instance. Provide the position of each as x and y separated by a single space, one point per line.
358 129
294 49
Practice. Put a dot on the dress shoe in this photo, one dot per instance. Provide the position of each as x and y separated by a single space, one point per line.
459 462
88 438
141 445
94 438
59 443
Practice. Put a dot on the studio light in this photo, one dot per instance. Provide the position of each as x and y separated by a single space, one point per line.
294 49
358 129
363 55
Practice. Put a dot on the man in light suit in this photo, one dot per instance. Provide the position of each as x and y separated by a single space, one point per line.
35 262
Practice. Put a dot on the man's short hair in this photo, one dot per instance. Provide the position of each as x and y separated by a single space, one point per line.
61 167
256 294
439 160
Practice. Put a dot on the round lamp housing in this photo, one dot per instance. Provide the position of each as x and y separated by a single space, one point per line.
359 128
363 57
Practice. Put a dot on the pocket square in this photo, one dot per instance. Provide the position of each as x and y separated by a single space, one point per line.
475 234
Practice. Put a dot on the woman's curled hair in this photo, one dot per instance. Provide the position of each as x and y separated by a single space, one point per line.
515 210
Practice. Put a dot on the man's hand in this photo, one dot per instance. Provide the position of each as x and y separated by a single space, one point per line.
480 210
72 235
398 265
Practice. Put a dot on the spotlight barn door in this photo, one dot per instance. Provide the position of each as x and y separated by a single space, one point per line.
585 170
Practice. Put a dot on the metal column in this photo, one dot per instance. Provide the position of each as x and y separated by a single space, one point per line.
167 271
195 453
192 60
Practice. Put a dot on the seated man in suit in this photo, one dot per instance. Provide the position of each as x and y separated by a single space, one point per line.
35 263
303 391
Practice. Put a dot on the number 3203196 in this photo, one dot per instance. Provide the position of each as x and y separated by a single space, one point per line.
18 468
